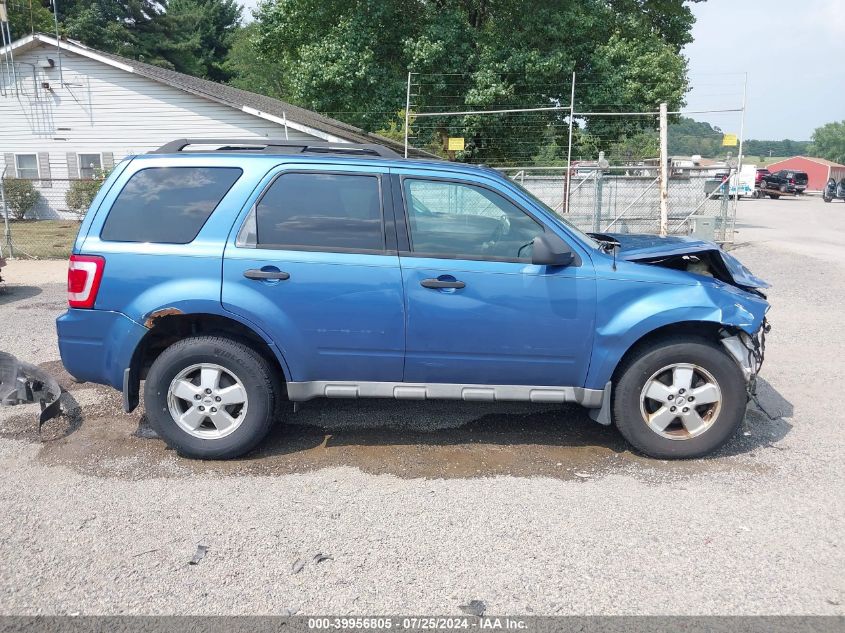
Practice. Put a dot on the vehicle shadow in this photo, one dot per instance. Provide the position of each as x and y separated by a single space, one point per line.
546 431
407 439
441 423
439 439
765 421
10 293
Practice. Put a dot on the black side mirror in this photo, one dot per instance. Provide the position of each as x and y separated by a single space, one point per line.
550 250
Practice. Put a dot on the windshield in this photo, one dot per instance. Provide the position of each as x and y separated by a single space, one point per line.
564 222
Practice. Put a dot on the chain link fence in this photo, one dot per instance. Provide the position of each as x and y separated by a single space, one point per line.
40 218
627 199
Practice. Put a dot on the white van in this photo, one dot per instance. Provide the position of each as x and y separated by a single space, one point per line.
744 185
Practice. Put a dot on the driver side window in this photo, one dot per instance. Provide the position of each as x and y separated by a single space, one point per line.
463 221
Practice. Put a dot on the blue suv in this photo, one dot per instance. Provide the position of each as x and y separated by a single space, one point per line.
231 277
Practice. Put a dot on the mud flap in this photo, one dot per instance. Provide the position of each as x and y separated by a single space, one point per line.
603 414
21 383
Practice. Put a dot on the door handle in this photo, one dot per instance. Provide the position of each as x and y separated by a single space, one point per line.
440 283
256 273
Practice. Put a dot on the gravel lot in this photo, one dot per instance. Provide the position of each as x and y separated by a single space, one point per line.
422 508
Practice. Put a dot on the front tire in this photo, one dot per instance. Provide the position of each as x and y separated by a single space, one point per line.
210 397
651 405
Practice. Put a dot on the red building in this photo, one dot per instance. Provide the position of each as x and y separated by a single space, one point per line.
819 170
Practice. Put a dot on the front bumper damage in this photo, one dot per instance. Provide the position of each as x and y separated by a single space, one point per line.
21 383
748 351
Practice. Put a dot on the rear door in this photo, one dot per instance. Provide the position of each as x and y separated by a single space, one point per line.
478 311
314 264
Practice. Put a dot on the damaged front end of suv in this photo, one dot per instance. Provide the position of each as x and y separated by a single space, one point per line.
736 291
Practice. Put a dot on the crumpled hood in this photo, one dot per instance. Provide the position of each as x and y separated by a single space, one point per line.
650 248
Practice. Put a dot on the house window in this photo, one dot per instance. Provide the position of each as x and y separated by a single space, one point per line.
27 166
90 165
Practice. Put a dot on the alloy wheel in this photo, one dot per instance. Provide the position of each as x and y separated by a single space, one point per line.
207 401
680 401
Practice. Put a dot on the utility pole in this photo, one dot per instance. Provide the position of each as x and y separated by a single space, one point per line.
407 112
729 231
664 171
58 46
569 150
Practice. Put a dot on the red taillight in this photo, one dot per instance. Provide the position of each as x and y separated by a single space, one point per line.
792 181
84 273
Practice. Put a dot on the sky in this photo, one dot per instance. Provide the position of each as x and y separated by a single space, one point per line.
248 4
793 52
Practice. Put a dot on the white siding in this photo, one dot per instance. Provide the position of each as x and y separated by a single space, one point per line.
105 109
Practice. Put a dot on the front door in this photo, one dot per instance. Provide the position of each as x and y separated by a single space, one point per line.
311 265
478 311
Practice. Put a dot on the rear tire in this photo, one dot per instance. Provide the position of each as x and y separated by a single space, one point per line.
210 397
661 370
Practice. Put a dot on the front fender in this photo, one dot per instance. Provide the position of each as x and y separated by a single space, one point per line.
628 311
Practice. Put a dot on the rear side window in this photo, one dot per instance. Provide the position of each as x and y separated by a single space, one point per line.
167 205
310 211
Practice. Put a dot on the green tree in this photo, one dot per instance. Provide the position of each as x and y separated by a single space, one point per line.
81 193
635 147
624 51
247 67
202 32
30 18
688 137
829 141
21 196
632 74
132 28
671 21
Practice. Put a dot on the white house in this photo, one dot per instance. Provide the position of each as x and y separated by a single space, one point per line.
67 110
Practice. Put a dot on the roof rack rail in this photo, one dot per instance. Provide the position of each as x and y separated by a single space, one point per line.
275 146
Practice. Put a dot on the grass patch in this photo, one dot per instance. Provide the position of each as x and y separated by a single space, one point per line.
41 239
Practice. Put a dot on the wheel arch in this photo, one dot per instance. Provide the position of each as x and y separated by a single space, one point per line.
708 330
607 362
169 325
